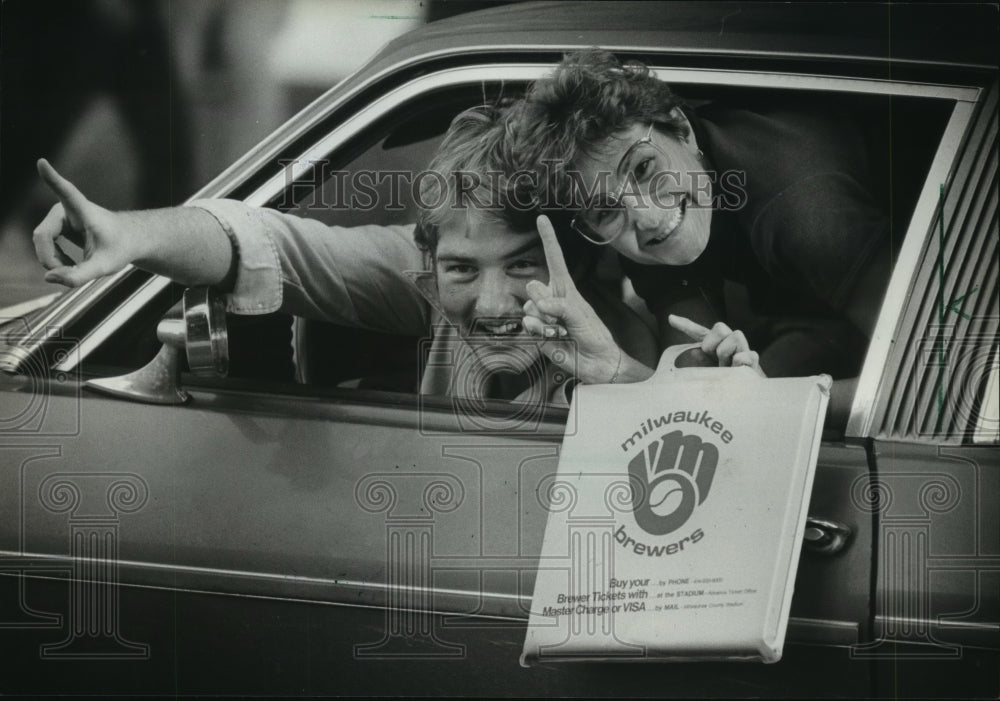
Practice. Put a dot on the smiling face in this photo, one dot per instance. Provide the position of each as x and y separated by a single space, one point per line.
482 268
648 192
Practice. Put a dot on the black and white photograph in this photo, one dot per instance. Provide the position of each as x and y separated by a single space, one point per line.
499 348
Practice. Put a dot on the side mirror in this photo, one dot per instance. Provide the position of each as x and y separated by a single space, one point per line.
205 339
198 325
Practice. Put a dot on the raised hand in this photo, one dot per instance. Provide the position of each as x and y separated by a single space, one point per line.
728 346
99 231
578 341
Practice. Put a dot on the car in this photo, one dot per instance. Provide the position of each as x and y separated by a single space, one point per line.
309 524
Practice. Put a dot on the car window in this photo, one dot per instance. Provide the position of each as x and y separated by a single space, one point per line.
900 139
901 135
935 384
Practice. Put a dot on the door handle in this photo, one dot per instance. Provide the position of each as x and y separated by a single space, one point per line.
825 536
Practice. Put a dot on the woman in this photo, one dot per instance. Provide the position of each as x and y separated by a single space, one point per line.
771 196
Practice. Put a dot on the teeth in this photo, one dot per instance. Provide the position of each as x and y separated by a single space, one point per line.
504 328
678 217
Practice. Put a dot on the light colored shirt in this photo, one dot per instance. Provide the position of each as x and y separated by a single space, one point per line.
356 277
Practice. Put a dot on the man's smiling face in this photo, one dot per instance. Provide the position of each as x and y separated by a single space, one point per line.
482 268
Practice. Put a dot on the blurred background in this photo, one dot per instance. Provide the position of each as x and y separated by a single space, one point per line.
141 102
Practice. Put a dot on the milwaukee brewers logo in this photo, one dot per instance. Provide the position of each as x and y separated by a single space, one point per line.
669 478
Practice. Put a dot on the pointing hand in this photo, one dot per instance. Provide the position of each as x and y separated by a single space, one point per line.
105 246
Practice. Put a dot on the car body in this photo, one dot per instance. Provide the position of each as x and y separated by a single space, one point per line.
298 530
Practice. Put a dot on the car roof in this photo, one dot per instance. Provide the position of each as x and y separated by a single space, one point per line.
922 42
963 34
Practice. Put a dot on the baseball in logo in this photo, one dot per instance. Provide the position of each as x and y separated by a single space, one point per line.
669 478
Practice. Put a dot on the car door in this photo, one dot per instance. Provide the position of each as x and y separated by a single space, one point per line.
933 418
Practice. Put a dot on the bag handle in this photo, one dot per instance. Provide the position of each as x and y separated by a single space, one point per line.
684 355
690 358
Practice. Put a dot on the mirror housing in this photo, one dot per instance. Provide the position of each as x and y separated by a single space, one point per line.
206 341
198 325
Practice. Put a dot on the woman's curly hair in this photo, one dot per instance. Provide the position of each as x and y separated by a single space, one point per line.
590 97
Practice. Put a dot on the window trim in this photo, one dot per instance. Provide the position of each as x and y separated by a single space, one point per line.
987 428
861 415
468 75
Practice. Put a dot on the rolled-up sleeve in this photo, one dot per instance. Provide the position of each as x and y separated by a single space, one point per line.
258 273
352 276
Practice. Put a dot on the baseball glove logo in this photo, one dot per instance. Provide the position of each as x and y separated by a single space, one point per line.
669 479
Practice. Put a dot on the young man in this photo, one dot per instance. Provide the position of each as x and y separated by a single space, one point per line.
495 283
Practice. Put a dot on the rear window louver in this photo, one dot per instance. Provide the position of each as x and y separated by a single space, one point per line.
946 340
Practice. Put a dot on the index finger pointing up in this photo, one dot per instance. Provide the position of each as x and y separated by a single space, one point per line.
560 281
66 191
686 326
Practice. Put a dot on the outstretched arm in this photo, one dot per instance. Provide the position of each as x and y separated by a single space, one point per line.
185 244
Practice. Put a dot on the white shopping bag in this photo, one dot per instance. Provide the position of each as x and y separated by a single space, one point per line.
680 510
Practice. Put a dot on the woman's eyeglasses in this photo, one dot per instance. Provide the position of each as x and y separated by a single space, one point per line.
606 218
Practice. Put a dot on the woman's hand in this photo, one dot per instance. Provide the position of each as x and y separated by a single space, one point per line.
729 347
576 338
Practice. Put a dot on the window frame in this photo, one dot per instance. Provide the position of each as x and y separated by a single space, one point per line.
860 419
